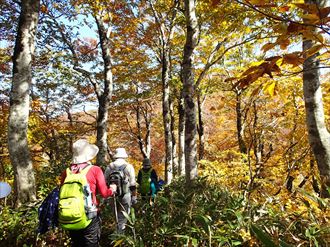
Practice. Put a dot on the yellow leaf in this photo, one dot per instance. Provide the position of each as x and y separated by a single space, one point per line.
314 49
259 2
311 18
324 56
257 63
279 62
270 88
118 242
319 37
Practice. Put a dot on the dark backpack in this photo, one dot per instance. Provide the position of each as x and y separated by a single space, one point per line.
119 178
48 212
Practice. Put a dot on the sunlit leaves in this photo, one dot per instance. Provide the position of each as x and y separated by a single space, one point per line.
269 66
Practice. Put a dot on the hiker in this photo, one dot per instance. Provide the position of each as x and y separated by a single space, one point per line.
83 153
126 195
148 181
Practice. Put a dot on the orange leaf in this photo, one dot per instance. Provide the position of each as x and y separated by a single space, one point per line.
250 70
267 47
309 8
273 60
294 59
43 9
284 9
284 44
324 12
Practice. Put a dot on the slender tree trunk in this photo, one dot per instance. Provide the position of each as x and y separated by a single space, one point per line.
105 97
239 124
144 142
167 117
166 29
189 91
181 165
174 146
201 133
319 137
25 190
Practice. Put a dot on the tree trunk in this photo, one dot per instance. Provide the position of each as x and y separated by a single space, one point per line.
143 140
174 146
318 135
239 124
181 165
105 97
201 147
167 117
25 190
189 91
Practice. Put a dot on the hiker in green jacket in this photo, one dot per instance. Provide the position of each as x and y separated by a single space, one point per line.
147 180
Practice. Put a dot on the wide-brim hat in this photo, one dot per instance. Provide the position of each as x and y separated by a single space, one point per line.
83 151
146 163
120 153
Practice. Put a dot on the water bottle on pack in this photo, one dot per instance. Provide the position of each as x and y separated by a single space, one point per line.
90 208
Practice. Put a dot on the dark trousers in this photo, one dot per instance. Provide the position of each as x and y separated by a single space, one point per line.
88 237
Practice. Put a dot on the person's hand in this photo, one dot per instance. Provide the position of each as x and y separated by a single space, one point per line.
134 200
113 187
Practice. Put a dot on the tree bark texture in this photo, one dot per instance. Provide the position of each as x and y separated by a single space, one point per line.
19 152
201 132
240 125
144 140
174 142
318 135
181 165
189 91
105 98
167 116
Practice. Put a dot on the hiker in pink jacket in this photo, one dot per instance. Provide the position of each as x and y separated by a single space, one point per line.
83 153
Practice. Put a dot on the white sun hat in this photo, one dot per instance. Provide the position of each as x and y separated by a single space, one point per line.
83 151
120 153
4 189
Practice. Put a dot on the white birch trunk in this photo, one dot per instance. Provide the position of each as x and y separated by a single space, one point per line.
189 91
319 137
19 102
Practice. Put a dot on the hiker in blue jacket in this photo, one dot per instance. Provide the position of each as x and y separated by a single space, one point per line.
148 181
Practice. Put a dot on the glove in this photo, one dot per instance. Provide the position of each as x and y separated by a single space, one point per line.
133 200
113 187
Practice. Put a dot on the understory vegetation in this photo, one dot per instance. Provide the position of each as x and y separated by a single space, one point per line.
206 214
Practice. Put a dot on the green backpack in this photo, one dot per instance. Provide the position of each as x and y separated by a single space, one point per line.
75 201
144 187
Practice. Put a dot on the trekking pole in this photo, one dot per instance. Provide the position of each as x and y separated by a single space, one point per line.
115 208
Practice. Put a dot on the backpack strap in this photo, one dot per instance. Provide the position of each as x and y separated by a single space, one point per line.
83 170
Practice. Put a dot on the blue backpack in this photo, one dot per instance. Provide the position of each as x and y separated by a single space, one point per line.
48 212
